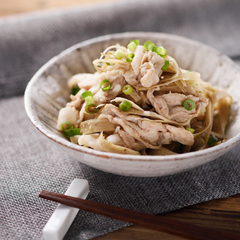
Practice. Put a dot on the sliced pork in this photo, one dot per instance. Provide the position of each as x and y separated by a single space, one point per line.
149 132
158 109
130 141
171 105
117 81
151 69
69 114
146 68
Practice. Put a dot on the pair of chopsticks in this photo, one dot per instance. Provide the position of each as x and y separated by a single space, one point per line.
142 219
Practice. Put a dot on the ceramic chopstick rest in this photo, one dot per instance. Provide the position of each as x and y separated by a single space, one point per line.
63 216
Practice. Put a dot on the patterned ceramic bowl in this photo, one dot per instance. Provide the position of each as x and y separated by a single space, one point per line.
46 93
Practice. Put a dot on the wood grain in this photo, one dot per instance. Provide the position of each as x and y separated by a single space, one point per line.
11 7
158 223
220 214
223 214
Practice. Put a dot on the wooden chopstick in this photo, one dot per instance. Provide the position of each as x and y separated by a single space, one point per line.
142 219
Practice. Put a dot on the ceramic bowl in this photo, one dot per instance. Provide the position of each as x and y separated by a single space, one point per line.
46 93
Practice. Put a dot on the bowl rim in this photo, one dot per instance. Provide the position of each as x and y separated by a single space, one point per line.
32 115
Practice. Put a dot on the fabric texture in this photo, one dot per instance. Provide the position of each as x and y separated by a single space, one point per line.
30 162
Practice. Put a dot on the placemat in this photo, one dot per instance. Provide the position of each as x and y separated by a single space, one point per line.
30 162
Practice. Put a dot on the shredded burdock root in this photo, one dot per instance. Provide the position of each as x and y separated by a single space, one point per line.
139 101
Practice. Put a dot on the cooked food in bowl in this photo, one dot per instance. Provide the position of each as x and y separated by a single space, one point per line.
140 101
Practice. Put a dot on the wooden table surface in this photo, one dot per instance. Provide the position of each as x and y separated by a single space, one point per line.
221 214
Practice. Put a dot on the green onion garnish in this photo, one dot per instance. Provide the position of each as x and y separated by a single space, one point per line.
136 41
75 131
91 108
103 83
125 105
89 100
165 66
130 57
132 46
66 126
154 48
99 64
160 51
119 54
191 130
151 46
147 43
212 140
86 94
68 129
189 104
75 90
127 89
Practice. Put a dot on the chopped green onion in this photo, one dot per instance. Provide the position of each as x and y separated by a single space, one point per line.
147 43
75 131
189 104
103 83
109 64
132 46
151 46
160 51
127 89
125 105
130 57
212 140
89 100
119 54
91 108
86 94
75 90
191 130
154 49
68 127
99 64
165 66
136 41
69 130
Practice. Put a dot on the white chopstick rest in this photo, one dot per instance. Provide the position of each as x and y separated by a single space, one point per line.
63 216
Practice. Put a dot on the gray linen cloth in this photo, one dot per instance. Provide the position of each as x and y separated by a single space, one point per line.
29 161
